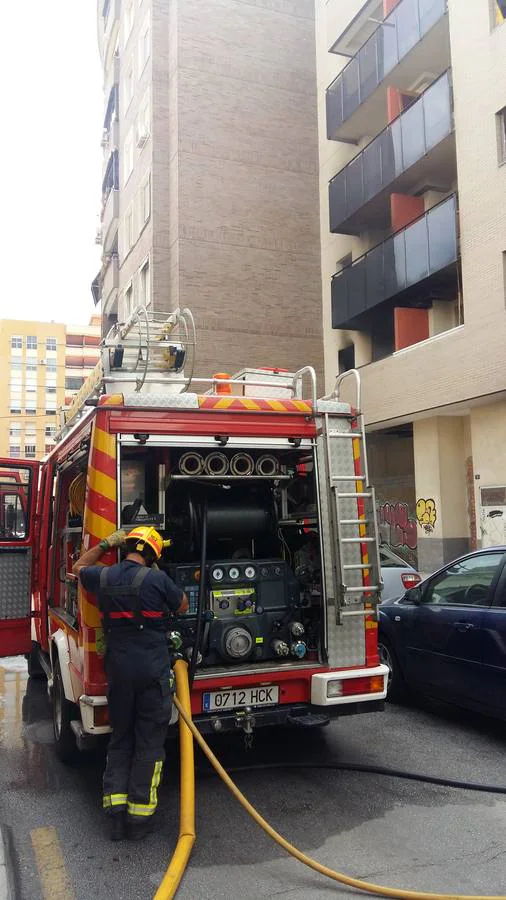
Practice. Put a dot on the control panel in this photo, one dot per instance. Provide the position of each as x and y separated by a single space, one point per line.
253 610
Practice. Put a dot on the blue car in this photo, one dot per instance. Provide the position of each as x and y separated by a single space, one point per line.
446 637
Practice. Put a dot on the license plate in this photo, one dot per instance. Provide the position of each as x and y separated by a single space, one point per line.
232 699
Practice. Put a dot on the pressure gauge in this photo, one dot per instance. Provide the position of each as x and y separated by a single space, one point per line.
250 572
233 573
217 574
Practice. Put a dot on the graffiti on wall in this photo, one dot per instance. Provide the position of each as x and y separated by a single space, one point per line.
426 514
398 528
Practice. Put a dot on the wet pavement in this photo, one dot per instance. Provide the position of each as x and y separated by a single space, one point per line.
379 828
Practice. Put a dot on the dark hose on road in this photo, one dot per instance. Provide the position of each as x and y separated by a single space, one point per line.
370 770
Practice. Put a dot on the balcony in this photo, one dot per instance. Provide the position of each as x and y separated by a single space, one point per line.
96 288
412 43
414 265
417 148
110 218
110 279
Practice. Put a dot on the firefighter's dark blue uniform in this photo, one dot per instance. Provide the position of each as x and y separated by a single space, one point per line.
135 602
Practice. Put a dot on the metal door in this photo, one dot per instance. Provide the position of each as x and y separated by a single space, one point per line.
18 491
493 516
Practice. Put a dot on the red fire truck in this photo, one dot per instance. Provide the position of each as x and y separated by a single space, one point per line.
265 496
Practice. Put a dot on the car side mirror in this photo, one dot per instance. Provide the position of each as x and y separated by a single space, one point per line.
414 595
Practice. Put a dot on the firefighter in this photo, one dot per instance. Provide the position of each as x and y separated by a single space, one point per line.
135 600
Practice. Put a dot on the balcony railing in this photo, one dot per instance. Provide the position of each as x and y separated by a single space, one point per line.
406 25
111 177
110 277
406 259
423 126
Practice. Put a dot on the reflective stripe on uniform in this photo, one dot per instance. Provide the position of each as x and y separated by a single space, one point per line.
147 809
112 800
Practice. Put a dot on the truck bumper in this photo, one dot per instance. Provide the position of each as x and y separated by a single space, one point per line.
297 714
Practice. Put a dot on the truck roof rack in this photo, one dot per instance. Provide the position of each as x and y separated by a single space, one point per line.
155 352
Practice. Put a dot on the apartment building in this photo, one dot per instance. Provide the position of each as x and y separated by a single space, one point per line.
210 185
412 149
42 364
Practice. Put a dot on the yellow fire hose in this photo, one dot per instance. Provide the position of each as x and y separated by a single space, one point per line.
182 701
186 838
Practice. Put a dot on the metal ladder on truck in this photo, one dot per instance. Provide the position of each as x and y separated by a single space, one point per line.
356 572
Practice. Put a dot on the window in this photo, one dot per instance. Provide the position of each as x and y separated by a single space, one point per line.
504 273
128 156
50 409
144 120
50 431
31 367
50 389
30 450
144 44
497 12
16 365
73 383
466 583
128 87
129 301
501 134
48 448
15 451
128 20
31 342
50 366
16 342
145 285
51 343
346 358
129 229
145 200
15 408
343 262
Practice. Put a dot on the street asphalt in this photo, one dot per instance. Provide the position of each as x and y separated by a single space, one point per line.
381 829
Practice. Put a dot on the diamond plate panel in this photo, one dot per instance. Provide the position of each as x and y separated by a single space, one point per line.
333 406
167 400
346 642
15 593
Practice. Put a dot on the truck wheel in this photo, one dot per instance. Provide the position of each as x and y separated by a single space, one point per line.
397 688
35 669
63 712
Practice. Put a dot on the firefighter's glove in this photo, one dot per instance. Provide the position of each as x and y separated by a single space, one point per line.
116 539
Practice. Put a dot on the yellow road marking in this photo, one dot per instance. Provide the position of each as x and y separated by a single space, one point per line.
53 875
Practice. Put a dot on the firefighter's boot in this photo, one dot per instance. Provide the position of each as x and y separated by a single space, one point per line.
118 826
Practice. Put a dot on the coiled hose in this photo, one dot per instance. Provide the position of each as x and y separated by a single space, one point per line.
182 701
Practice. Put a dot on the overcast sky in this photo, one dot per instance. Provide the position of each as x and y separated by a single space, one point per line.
51 161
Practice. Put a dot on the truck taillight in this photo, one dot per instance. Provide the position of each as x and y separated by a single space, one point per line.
371 685
100 716
410 579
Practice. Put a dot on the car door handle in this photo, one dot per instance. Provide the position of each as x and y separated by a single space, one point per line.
463 626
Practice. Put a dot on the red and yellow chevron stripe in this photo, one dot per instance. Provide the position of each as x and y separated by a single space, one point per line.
265 404
100 509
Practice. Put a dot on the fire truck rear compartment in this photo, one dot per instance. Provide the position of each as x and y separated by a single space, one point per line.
263 584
